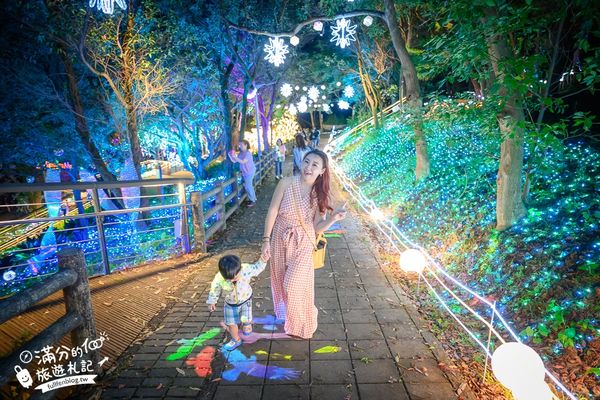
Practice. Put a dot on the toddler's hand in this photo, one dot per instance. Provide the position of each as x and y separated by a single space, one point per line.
212 307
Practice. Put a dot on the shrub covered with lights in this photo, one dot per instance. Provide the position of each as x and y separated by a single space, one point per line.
544 271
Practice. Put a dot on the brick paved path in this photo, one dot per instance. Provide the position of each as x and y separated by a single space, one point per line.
383 353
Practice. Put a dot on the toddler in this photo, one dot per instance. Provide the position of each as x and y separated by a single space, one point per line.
233 280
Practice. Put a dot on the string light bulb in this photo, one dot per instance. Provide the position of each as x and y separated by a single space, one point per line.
368 20
294 40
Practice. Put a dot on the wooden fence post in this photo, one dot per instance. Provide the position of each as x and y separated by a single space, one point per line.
198 220
78 299
221 202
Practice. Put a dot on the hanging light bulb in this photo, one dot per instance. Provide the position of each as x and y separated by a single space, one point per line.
296 87
412 260
368 21
322 87
338 84
318 26
294 40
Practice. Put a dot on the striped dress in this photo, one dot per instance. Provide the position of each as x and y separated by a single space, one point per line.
292 272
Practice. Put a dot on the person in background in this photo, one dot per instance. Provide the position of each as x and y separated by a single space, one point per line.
315 138
281 152
247 168
299 152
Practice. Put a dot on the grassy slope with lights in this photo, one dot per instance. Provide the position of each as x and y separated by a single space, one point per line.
543 272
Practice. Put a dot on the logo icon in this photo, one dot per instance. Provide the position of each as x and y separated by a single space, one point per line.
23 376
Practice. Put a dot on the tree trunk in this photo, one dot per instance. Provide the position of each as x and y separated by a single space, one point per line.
81 125
224 75
243 112
509 203
312 120
129 96
413 91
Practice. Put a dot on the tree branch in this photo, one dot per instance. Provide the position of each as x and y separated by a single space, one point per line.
298 28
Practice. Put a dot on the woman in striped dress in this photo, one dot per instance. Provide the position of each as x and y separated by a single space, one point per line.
299 210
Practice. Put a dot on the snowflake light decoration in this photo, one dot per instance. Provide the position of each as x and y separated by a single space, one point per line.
348 91
343 33
276 51
343 105
302 107
313 93
292 109
286 90
108 6
326 107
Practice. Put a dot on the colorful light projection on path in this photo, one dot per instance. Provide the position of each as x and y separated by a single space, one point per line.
268 322
202 362
328 350
188 345
256 336
287 357
249 366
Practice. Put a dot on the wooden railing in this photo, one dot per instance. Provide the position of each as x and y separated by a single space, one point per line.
79 318
200 216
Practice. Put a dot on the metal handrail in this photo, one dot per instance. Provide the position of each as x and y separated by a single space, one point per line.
41 187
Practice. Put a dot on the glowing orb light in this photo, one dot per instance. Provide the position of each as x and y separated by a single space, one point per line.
368 21
338 84
302 107
348 91
9 275
292 109
343 105
322 87
520 369
296 87
294 40
318 26
377 214
412 260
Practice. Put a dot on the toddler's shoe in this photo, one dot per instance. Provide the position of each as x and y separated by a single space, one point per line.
232 345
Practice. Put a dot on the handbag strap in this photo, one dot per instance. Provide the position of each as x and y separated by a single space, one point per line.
299 215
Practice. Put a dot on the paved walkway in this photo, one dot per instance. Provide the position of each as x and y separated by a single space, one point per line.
369 344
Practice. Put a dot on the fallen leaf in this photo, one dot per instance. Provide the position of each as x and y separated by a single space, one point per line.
107 304
160 386
182 372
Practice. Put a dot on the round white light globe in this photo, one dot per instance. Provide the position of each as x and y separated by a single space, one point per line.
338 84
533 390
517 366
412 260
297 87
368 21
318 26
304 88
322 87
294 40
9 275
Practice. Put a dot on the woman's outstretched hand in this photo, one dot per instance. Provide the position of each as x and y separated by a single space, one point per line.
265 251
339 213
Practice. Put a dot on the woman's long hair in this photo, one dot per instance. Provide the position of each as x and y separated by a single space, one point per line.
321 188
300 143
